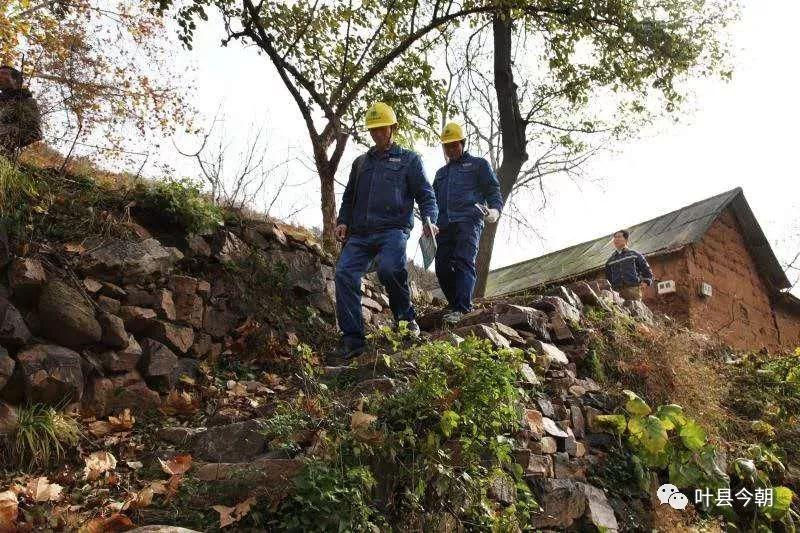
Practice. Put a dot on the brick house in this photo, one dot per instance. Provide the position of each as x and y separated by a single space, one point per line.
714 268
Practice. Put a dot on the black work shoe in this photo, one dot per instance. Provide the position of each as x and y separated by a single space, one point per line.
344 355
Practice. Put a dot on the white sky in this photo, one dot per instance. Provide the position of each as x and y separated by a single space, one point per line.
743 133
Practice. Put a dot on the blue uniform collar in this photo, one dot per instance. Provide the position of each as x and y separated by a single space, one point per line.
464 157
394 150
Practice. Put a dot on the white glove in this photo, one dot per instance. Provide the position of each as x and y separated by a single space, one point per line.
492 216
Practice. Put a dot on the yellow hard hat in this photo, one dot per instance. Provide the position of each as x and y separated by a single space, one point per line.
380 115
452 132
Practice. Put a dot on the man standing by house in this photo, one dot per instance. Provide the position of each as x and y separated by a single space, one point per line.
627 269
20 119
374 222
467 193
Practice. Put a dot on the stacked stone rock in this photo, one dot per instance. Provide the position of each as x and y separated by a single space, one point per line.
125 326
559 438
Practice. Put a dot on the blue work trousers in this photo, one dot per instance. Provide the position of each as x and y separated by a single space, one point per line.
457 248
388 248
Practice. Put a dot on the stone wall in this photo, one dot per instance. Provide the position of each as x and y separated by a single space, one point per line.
115 323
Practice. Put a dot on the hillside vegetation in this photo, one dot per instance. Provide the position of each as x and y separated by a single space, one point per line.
164 361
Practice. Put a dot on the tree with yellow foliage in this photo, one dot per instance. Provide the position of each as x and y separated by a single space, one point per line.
97 67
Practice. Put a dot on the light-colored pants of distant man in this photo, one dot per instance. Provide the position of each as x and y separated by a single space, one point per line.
631 293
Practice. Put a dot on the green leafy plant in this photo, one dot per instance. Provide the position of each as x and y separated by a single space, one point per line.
394 337
668 439
183 203
439 441
42 436
330 498
282 427
755 471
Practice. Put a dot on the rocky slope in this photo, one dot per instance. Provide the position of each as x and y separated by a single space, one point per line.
191 360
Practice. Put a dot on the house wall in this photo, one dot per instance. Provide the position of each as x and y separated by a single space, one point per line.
739 310
788 326
673 267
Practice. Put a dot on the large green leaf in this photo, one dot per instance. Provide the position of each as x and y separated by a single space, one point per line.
635 405
616 423
449 422
671 415
692 435
781 500
653 460
650 432
685 474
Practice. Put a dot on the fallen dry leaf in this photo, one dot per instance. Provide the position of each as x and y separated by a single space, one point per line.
124 421
225 515
361 420
180 403
237 389
168 488
177 465
359 427
41 490
318 445
274 381
9 509
74 248
112 524
230 515
97 463
100 428
137 500
143 498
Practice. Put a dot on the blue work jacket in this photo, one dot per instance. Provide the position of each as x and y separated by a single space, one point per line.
381 190
627 268
461 184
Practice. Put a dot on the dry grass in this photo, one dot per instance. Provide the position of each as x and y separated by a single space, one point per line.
665 364
42 156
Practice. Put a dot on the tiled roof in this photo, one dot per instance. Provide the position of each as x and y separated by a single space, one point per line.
663 234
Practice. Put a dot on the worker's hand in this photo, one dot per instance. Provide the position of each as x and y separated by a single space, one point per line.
431 230
492 216
340 232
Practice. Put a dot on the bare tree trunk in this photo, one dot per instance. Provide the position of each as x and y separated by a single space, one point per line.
512 132
326 168
328 204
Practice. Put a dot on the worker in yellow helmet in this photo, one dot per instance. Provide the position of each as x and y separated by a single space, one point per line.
468 194
374 222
